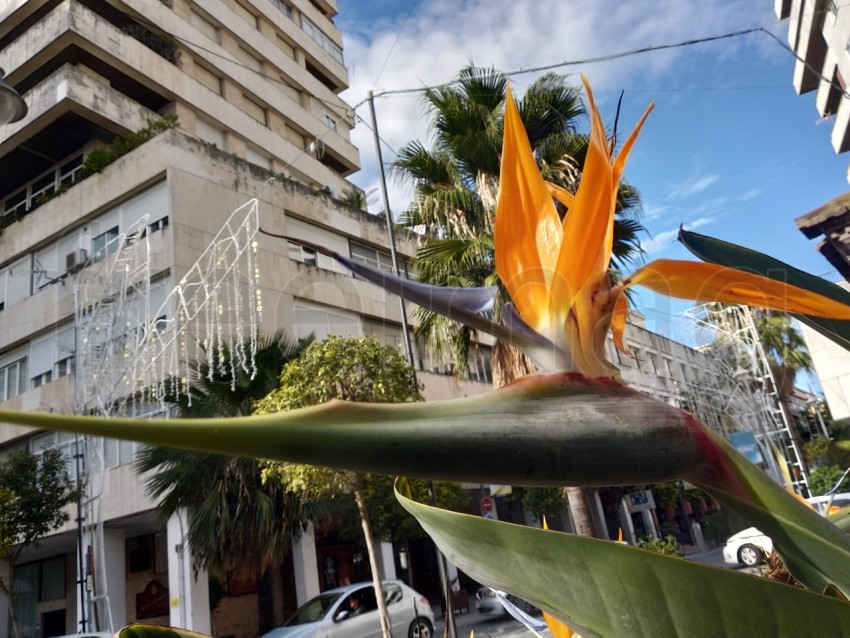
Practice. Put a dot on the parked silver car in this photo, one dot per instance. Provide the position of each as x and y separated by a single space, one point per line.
352 612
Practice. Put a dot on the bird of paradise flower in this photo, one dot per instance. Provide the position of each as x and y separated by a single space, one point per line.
577 425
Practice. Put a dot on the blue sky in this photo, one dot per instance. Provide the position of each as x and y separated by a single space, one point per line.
730 150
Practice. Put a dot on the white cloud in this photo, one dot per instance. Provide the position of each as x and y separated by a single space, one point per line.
693 186
661 241
442 36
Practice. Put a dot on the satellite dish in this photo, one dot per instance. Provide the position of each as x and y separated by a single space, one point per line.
316 147
12 105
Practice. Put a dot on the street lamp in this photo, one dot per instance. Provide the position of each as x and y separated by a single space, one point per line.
12 105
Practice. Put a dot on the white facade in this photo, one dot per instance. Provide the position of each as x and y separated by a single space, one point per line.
254 85
819 32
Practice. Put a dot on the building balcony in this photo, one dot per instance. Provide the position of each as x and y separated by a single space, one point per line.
73 34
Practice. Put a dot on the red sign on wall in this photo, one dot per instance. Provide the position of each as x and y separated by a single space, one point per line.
152 601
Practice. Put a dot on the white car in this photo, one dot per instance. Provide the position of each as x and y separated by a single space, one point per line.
747 547
352 612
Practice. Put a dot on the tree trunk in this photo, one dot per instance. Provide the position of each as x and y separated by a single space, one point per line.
377 574
580 513
9 593
508 364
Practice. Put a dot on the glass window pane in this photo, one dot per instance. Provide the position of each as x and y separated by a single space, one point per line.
52 579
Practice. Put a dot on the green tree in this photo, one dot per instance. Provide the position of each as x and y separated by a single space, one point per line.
353 369
822 479
233 515
34 490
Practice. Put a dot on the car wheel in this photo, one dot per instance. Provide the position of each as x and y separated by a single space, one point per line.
750 555
420 628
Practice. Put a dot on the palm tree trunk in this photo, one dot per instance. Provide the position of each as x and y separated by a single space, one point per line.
509 363
580 512
386 628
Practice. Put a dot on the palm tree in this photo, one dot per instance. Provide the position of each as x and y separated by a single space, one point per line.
787 356
455 191
233 515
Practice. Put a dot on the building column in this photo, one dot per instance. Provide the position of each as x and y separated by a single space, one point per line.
305 565
452 575
113 574
386 559
188 590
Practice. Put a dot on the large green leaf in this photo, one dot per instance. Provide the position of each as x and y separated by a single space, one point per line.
554 429
814 550
605 589
725 254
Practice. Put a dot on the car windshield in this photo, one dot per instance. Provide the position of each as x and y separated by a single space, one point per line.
313 610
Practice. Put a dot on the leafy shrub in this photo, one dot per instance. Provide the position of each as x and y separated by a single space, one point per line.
100 158
96 161
715 526
667 545
824 478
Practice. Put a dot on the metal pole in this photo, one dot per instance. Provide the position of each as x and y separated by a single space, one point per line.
451 630
390 232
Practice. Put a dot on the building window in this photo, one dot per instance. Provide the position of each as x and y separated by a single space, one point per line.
41 379
64 367
315 235
377 258
284 8
330 122
39 582
104 244
67 444
13 379
159 224
205 26
321 322
255 110
319 37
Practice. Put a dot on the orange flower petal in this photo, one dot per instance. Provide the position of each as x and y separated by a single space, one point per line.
710 282
528 232
561 194
558 629
618 324
617 174
586 223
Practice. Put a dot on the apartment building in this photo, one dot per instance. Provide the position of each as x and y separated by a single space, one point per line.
819 33
246 96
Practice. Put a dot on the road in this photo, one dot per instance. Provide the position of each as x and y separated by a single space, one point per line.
484 626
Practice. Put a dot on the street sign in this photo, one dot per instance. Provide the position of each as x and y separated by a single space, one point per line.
640 501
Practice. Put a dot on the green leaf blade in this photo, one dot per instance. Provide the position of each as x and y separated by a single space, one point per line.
605 589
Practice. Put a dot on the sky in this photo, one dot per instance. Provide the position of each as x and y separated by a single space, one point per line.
730 149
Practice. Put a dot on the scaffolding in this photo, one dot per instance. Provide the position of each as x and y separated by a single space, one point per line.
131 358
745 390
